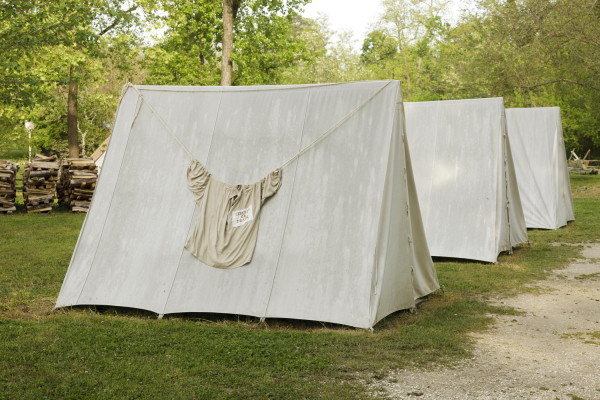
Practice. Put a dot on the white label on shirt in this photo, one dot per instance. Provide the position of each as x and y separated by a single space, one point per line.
240 217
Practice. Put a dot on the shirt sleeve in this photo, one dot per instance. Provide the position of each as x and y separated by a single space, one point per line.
270 185
197 179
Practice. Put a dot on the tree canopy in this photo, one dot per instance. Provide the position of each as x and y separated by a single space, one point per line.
531 52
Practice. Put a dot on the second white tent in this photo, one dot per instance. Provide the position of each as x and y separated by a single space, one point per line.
465 178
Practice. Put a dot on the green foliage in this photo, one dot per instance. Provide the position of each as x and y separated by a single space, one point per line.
404 47
187 54
332 57
533 53
40 42
378 47
265 43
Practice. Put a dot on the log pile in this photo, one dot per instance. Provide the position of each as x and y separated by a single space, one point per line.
8 191
39 183
78 177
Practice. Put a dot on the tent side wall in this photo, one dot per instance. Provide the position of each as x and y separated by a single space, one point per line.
425 279
516 216
397 288
540 165
565 200
89 236
510 219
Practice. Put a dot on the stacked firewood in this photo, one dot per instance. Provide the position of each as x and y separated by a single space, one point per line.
78 177
8 191
39 183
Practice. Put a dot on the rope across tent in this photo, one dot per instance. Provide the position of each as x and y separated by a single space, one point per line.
142 100
322 136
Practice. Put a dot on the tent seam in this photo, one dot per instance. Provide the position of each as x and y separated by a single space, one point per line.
266 309
193 213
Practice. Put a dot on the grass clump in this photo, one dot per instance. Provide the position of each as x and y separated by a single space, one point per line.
107 353
586 337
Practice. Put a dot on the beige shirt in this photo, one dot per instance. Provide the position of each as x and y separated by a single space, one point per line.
227 227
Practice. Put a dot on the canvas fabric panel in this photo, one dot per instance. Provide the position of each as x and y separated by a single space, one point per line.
540 164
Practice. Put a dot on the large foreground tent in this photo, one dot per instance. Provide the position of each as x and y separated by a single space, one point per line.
465 178
340 241
541 166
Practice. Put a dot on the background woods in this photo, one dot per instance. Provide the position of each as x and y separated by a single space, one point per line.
64 62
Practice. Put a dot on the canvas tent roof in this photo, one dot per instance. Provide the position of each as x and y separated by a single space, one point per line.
341 241
465 177
541 166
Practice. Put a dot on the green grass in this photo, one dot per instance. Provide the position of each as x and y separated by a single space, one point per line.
586 337
107 353
35 248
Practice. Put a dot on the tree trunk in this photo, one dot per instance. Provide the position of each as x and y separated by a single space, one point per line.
72 116
230 8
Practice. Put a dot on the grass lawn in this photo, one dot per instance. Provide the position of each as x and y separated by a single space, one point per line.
115 353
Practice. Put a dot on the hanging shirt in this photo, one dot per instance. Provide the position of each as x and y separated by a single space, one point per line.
227 226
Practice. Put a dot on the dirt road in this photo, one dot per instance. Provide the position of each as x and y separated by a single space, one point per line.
550 352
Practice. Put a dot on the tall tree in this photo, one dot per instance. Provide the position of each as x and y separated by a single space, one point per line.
230 9
197 49
72 128
101 18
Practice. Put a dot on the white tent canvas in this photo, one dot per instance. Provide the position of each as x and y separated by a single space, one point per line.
99 162
342 240
465 178
541 166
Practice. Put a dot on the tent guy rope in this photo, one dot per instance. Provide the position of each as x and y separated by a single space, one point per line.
291 159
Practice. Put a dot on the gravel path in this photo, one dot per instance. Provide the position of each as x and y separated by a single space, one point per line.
550 352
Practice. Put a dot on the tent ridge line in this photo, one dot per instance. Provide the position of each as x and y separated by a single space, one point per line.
250 89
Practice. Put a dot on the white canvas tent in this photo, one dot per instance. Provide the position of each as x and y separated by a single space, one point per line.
341 241
465 178
541 166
